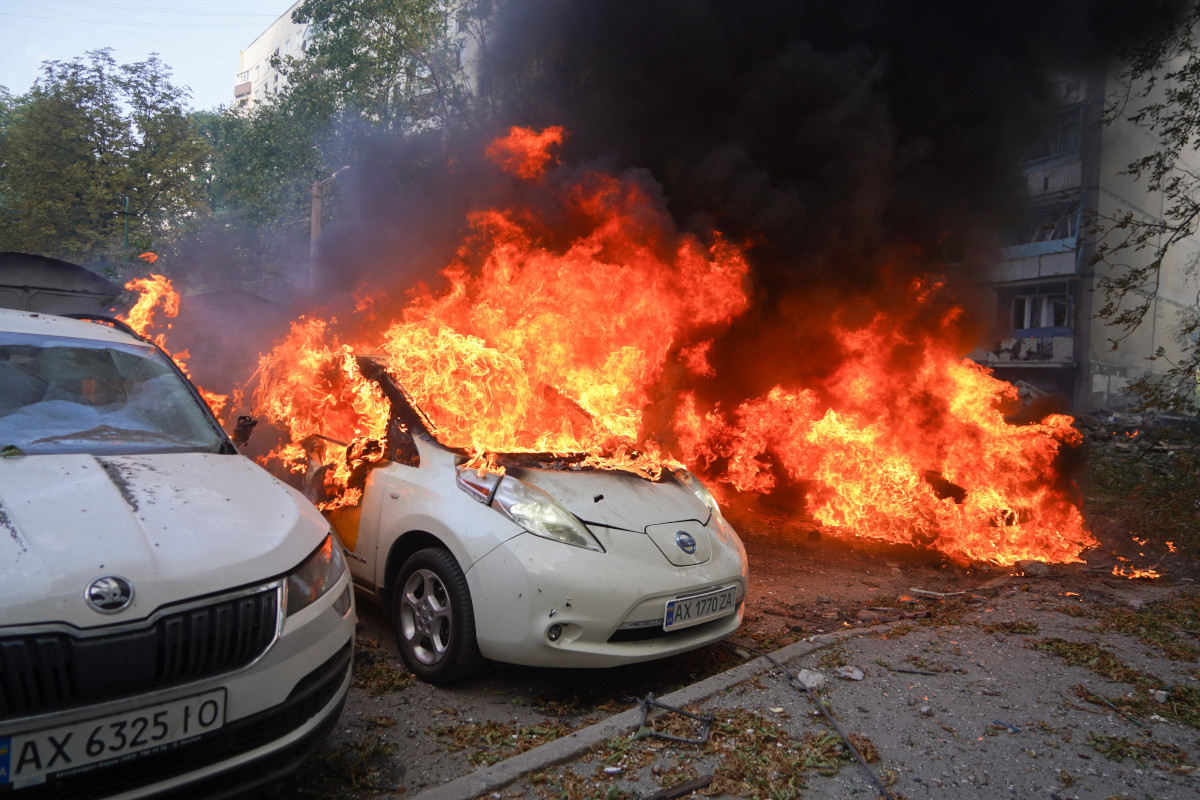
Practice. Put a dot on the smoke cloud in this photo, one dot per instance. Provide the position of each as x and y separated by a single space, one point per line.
847 146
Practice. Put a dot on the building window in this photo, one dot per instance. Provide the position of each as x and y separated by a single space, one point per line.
287 47
1057 136
1042 223
1039 307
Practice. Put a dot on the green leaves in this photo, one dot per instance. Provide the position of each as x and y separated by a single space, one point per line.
87 135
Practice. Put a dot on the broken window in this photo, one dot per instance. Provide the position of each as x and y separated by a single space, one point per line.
1040 306
1057 136
1045 222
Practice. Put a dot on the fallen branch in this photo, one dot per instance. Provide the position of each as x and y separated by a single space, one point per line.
680 789
928 593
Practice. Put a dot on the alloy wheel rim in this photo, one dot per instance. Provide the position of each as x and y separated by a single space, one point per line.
425 617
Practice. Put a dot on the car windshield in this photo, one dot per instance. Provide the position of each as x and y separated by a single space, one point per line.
66 395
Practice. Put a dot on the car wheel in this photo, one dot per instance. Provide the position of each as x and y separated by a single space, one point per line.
434 619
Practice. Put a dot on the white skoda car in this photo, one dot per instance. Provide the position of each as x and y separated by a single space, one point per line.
171 617
549 564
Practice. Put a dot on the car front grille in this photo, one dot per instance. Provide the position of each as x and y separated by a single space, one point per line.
312 694
53 670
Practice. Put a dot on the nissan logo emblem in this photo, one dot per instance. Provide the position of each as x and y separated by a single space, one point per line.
109 594
686 542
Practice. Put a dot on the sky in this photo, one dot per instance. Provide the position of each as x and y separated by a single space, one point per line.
198 39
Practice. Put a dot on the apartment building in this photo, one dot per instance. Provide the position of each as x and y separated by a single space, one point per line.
1043 287
256 78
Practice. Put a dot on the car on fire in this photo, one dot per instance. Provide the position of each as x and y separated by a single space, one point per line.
172 618
544 563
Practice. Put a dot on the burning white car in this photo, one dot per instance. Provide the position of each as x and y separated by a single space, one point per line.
548 564
170 615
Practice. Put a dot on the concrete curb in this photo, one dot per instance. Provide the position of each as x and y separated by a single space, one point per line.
490 779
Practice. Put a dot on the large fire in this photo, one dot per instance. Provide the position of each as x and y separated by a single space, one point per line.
921 456
573 340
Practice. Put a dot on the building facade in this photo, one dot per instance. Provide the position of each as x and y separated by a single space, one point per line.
1043 288
256 78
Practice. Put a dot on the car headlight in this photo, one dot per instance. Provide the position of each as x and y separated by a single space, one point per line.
313 578
528 506
692 483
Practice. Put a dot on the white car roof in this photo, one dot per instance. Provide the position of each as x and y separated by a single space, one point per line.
13 321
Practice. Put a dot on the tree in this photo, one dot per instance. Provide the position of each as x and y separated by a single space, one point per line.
88 135
397 65
1160 91
258 184
373 70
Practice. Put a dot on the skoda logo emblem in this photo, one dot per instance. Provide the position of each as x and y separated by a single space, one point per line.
109 594
686 542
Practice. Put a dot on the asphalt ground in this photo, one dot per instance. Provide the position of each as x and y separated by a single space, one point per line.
985 683
968 708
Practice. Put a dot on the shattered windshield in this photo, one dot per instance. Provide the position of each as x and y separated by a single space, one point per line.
66 395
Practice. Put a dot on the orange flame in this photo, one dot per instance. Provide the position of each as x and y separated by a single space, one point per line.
153 292
1134 573
528 348
540 344
524 152
917 456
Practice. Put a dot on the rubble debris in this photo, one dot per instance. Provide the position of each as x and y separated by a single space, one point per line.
811 679
644 730
681 789
1033 568
943 488
850 673
243 429
939 595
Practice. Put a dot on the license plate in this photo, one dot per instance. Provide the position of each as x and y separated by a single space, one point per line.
701 608
28 758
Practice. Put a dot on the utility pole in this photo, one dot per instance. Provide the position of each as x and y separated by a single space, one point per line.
318 200
125 246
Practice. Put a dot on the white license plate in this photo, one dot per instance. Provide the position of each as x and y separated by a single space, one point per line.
27 758
701 608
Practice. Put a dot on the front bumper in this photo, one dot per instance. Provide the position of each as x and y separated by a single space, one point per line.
278 709
528 585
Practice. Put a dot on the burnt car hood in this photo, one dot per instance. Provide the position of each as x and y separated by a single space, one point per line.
613 500
617 499
176 526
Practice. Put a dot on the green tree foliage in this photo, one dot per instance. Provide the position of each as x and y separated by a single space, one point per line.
1160 92
87 135
373 69
259 187
399 65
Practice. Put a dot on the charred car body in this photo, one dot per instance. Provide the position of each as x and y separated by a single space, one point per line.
547 564
171 616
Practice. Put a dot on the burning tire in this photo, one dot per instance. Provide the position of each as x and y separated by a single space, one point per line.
433 618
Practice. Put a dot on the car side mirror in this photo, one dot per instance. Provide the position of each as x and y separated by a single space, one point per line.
241 432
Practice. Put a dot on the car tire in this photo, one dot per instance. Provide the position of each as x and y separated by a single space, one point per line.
433 618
